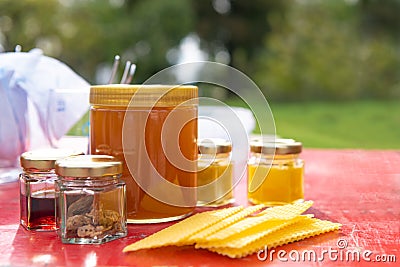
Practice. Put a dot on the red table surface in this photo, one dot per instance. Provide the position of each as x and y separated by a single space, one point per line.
358 188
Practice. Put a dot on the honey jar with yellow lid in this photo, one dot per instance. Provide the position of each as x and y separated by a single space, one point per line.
275 172
152 129
215 173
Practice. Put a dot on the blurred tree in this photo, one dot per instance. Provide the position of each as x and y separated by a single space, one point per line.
379 17
233 31
88 34
299 49
27 23
319 50
140 31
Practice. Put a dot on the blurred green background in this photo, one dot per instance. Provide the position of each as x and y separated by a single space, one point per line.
330 69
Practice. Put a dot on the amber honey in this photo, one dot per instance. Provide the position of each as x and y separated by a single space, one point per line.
215 173
275 173
283 183
149 144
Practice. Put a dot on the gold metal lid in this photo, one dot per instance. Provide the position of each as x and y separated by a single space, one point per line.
88 166
143 95
279 147
214 146
44 159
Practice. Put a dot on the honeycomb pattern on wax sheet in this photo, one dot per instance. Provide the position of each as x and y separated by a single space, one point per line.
280 212
245 237
287 211
238 232
304 228
180 231
224 223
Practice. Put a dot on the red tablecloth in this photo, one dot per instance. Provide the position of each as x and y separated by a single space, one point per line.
358 188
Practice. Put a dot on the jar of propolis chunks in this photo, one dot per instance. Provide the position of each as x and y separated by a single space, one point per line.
152 129
37 197
90 199
275 172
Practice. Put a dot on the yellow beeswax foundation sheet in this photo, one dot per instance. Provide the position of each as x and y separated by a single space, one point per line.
200 236
180 231
304 228
240 238
286 212
237 232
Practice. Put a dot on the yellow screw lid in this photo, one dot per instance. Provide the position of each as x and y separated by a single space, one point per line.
86 166
44 159
143 95
279 147
214 146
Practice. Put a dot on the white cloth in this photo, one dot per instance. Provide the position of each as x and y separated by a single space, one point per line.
41 98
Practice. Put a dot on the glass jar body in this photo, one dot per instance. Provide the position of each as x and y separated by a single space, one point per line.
145 153
90 211
37 200
215 180
279 179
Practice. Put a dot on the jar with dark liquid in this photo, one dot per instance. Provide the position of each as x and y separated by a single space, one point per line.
152 129
37 199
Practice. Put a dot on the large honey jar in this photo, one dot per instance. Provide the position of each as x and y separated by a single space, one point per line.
152 129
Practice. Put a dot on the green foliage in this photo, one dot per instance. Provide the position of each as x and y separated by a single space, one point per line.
364 124
26 22
88 34
293 49
319 51
240 30
354 124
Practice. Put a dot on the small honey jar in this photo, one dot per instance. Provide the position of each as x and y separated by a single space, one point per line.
275 172
37 203
90 199
215 173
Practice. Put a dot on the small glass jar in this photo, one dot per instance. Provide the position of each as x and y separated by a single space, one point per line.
90 199
215 173
275 172
37 204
